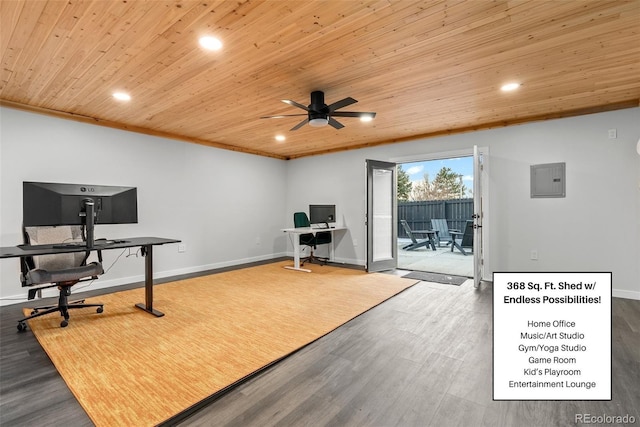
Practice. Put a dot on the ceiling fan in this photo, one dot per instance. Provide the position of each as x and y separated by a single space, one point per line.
320 114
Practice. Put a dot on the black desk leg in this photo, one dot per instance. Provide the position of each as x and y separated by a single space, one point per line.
147 252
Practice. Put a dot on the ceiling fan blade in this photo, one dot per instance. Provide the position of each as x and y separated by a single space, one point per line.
341 104
295 104
299 125
282 115
336 124
353 114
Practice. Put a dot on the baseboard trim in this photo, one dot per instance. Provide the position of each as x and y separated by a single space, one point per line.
621 293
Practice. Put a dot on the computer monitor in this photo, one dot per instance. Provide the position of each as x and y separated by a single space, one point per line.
319 214
48 203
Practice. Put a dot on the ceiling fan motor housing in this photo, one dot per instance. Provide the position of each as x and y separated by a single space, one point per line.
317 105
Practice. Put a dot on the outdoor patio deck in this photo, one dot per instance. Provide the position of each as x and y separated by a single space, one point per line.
442 260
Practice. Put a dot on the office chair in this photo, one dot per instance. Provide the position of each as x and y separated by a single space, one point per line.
300 219
62 270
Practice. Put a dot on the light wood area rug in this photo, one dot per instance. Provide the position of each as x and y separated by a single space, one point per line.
127 367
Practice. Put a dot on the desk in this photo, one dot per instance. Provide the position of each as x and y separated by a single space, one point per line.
145 243
296 232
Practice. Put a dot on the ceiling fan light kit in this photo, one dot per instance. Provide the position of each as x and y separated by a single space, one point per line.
319 122
320 114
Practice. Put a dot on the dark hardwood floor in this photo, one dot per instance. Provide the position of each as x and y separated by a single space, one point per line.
422 358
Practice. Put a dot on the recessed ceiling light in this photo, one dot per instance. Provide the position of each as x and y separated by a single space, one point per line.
366 118
280 138
509 87
122 96
210 43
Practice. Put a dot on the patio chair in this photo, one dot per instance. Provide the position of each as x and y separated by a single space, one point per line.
415 243
442 228
461 240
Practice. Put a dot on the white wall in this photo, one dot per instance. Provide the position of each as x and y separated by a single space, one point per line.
222 203
595 228
227 207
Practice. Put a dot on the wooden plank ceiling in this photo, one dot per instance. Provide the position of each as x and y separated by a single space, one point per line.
425 67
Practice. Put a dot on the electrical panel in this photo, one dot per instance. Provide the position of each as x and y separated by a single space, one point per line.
548 180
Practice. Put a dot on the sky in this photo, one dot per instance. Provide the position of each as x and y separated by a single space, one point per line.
460 165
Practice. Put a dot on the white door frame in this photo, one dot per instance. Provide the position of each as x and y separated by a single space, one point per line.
466 152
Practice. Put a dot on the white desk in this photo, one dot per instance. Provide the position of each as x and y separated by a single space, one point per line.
296 232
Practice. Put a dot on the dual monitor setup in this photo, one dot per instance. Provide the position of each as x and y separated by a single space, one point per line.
56 204
322 215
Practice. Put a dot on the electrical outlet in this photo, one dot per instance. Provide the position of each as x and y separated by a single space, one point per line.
182 247
355 242
258 241
613 133
534 254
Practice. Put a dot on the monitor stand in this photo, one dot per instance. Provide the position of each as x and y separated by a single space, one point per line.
89 220
89 223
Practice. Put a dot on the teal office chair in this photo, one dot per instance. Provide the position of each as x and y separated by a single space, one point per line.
323 238
300 219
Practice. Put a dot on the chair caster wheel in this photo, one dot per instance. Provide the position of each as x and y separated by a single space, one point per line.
100 310
64 324
22 326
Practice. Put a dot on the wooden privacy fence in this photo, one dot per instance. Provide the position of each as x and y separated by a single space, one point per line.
419 214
